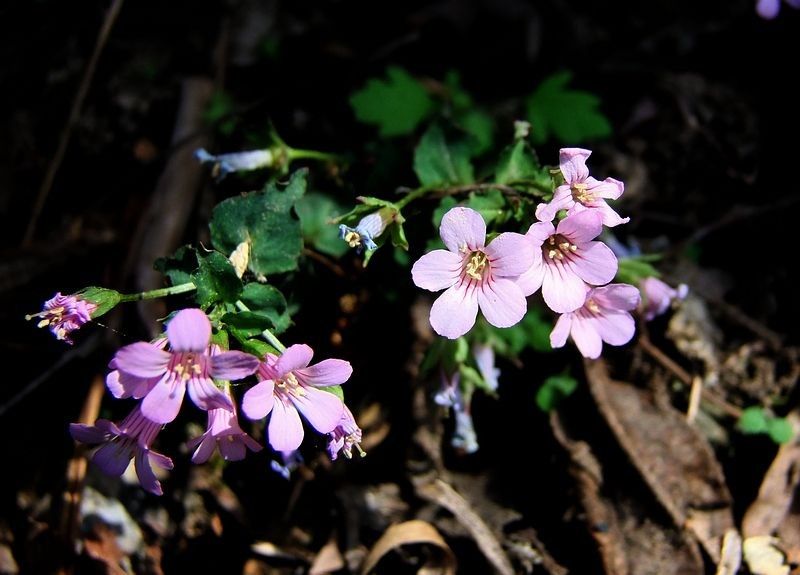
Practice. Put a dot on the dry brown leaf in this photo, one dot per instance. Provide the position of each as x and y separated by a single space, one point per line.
731 555
101 545
674 459
328 560
411 533
777 489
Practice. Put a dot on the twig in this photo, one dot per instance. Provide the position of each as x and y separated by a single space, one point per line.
327 262
74 114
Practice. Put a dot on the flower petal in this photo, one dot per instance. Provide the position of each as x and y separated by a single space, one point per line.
510 255
285 427
502 302
123 385
113 458
87 433
595 263
768 9
437 270
586 337
258 400
562 290
189 330
296 356
562 200
532 279
582 226
610 217
558 337
232 449
321 409
203 446
623 297
144 472
463 228
572 162
141 359
615 328
453 313
233 365
206 395
164 401
326 372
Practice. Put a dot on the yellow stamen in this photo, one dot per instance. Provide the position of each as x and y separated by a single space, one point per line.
352 238
593 307
477 262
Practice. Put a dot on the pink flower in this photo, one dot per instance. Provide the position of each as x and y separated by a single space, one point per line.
604 317
119 444
64 314
345 436
474 275
288 388
658 296
581 191
484 359
162 377
223 431
565 258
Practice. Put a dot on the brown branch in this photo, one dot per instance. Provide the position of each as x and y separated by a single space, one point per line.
326 261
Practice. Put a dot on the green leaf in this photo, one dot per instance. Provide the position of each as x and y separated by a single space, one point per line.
634 269
246 324
267 221
533 331
257 347
216 280
780 430
220 338
480 126
180 266
553 390
753 420
439 162
519 163
316 212
220 111
396 105
105 299
335 390
491 205
269 302
470 375
571 116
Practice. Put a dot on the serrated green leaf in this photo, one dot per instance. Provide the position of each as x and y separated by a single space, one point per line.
316 213
519 163
439 162
480 126
571 116
180 266
266 219
396 105
780 430
753 420
269 302
553 390
216 280
491 205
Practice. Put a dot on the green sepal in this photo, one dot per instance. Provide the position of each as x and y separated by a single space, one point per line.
335 390
105 299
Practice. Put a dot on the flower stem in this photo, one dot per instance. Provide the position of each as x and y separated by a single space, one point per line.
411 196
157 293
293 154
266 334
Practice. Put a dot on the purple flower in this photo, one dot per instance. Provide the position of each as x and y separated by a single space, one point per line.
581 191
464 437
63 314
658 296
565 258
223 431
449 394
345 436
288 388
224 164
368 228
604 317
484 358
162 377
474 275
119 444
768 9
286 463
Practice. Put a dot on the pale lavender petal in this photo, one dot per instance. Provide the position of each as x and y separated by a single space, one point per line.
558 337
484 359
164 401
453 313
586 337
463 229
296 356
285 428
326 372
595 263
609 188
232 365
124 385
617 296
437 270
87 433
615 328
205 447
145 473
572 162
189 330
142 359
258 400
562 200
502 302
251 443
582 226
510 255
206 395
232 450
159 460
539 232
113 458
321 409
610 217
531 280
768 9
562 290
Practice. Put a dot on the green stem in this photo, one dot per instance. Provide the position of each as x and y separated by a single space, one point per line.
411 196
293 154
157 293
266 334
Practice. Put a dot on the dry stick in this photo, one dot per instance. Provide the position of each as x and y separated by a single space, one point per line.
668 363
74 114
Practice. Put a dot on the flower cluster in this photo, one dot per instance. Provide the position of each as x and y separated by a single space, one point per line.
162 372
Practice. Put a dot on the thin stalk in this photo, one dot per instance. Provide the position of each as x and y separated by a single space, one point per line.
157 293
266 334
